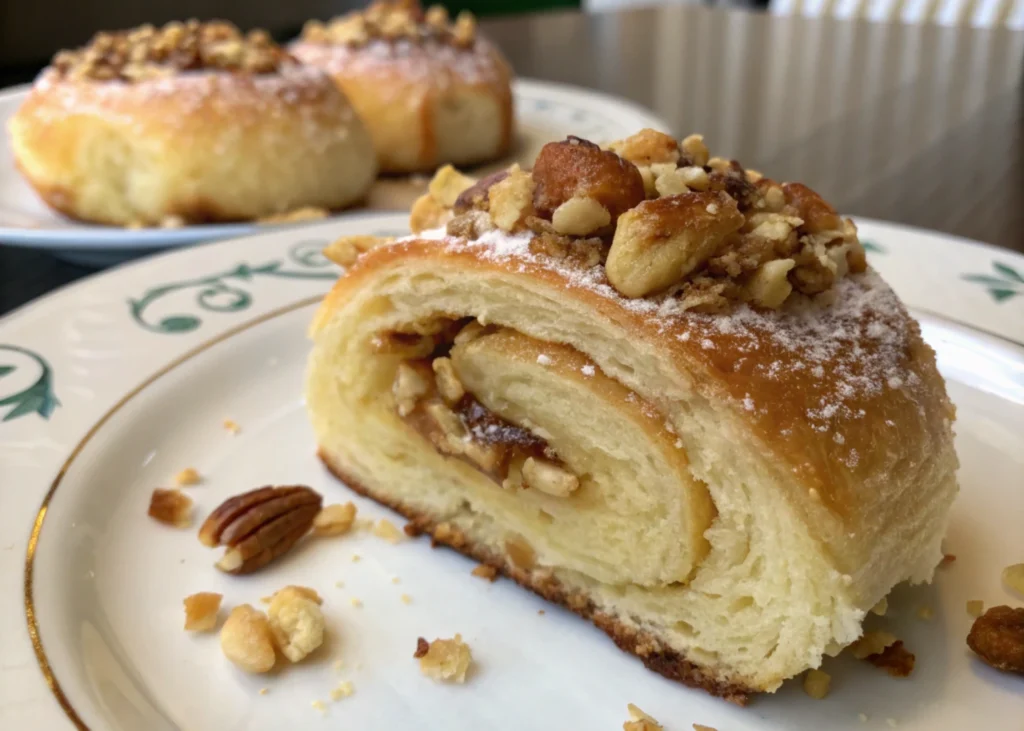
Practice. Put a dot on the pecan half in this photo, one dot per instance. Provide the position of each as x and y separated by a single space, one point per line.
260 525
998 638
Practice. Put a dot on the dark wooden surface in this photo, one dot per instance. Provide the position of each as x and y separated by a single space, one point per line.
921 125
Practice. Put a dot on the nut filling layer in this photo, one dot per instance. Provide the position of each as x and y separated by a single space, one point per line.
432 400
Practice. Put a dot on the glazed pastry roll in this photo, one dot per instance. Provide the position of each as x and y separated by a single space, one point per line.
661 390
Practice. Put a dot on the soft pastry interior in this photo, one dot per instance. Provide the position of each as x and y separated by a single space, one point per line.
722 470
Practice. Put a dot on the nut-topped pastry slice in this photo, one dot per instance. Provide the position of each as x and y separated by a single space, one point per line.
190 122
653 386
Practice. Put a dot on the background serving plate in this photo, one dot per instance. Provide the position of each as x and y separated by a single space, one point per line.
544 112
111 386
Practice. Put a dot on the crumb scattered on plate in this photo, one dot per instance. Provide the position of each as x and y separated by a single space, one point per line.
171 507
344 690
201 611
232 426
386 529
406 599
355 602
443 660
334 520
640 721
817 683
1013 577
975 607
188 476
484 571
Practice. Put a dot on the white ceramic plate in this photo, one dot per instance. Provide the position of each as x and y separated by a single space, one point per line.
111 386
544 112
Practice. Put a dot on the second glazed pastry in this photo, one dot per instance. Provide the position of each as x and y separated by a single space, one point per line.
429 90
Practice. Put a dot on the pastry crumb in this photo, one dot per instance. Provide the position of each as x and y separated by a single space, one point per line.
540 612
171 507
338 664
334 520
948 558
355 602
925 613
247 640
339 584
443 660
264 691
871 643
406 599
484 571
356 558
639 721
394 579
702 727
975 607
232 426
386 529
201 611
188 476
344 690
319 705
816 683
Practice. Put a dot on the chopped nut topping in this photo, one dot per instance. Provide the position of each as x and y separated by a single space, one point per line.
816 683
147 52
334 520
695 150
580 216
484 571
393 20
975 607
296 621
171 507
346 250
247 640
444 660
640 721
201 611
647 147
447 185
511 199
344 690
998 638
1013 577
386 529
260 525
187 476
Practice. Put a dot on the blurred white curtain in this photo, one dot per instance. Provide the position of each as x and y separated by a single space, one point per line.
976 13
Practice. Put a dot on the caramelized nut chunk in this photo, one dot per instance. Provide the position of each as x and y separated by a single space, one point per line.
660 242
201 611
695 151
247 640
580 217
334 520
646 147
818 215
769 287
447 185
576 167
446 661
998 638
475 196
511 200
171 507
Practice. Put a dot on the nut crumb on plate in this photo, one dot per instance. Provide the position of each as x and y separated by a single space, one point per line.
334 520
355 602
171 507
247 640
386 529
264 691
997 637
871 643
319 705
406 599
394 579
232 426
895 659
188 476
344 690
444 660
296 621
816 683
975 607
259 526
640 721
356 558
702 727
484 571
201 611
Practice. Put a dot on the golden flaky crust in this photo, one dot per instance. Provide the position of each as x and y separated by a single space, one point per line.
425 104
204 145
839 398
664 661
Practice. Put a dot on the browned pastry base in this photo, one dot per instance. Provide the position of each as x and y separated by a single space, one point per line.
669 663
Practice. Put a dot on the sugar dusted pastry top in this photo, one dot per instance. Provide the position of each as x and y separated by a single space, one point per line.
760 285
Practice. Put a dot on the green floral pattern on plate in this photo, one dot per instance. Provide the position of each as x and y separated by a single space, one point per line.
37 398
1005 284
